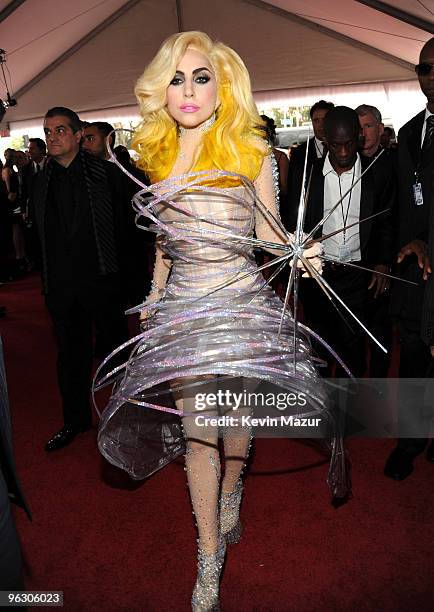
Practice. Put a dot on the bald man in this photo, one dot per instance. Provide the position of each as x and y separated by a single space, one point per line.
415 305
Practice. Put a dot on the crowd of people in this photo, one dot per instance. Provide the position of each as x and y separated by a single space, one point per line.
69 214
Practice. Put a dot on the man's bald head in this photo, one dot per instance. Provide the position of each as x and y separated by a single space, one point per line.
427 48
342 131
425 72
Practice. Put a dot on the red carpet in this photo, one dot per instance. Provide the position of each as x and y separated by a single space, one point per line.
111 544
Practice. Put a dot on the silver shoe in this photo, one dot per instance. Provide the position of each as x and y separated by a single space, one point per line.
230 523
206 590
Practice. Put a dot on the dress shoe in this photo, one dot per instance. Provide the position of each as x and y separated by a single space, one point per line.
63 437
399 465
430 452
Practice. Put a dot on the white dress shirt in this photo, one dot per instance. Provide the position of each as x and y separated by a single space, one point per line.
319 147
427 114
38 166
346 213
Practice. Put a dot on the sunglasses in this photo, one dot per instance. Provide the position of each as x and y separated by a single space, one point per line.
423 69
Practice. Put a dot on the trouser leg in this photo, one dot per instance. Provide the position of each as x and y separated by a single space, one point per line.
415 360
106 310
340 331
73 329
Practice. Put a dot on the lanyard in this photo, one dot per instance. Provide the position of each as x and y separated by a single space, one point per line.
345 217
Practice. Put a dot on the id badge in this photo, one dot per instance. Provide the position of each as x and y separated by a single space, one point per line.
417 194
344 252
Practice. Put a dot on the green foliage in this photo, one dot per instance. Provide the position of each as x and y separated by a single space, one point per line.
17 143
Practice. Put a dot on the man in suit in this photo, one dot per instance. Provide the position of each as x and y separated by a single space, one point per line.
378 304
368 244
81 215
415 305
94 138
141 243
318 113
37 154
10 490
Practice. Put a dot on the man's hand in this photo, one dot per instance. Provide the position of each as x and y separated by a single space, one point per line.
381 283
420 249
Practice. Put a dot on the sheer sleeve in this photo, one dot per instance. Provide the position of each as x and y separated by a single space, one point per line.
162 267
268 224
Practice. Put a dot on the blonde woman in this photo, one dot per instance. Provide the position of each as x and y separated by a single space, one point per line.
210 323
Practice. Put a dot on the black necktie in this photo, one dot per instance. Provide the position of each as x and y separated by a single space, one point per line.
429 133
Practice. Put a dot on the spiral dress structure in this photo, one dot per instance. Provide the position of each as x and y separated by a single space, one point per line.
217 320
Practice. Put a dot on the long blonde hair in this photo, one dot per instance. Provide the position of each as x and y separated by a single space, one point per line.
235 142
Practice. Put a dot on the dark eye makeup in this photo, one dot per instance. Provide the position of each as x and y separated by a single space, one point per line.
201 79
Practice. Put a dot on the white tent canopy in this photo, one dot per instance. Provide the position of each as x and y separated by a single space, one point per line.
87 54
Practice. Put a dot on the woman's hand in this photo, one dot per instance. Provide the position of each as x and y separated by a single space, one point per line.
151 306
312 254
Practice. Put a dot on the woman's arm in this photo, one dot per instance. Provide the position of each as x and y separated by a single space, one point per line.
268 224
162 267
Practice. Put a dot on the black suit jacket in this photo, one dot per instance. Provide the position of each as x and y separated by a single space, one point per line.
377 194
7 462
28 176
299 153
415 304
109 193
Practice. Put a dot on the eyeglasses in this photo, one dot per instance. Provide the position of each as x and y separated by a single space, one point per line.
423 69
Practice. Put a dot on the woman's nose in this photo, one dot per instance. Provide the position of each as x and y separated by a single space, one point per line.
188 90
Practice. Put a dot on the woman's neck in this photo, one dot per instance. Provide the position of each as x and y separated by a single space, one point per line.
195 133
190 140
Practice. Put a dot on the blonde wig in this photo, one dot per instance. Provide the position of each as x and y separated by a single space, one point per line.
235 141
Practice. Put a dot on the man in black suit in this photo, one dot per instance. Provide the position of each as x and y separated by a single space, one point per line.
368 244
318 113
415 305
10 490
378 304
37 155
94 138
81 215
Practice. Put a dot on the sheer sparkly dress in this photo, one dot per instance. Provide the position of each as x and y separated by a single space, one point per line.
216 316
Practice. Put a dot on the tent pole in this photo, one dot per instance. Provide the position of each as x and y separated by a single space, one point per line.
178 8
392 11
76 46
266 6
10 8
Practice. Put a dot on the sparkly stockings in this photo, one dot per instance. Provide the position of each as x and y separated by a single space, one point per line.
202 464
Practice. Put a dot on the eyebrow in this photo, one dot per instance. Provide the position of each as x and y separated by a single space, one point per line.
195 71
55 127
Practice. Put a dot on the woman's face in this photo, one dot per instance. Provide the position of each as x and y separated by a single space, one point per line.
192 93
